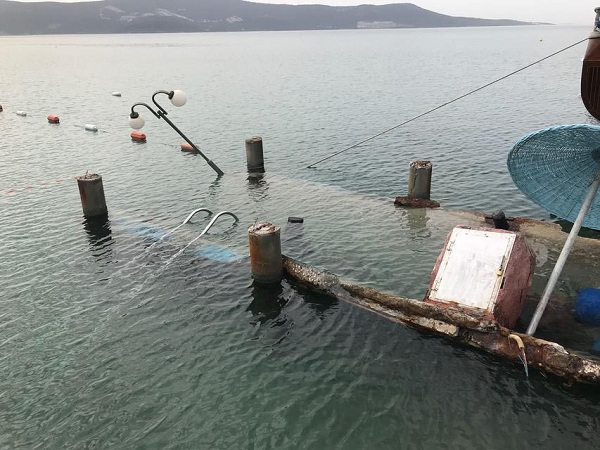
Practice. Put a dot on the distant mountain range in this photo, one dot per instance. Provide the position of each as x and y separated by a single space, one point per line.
166 16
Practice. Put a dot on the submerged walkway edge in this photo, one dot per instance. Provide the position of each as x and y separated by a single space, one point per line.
451 322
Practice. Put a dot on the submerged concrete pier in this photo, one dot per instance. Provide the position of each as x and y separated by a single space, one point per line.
453 323
467 327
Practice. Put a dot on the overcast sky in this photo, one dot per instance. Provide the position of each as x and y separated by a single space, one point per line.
580 12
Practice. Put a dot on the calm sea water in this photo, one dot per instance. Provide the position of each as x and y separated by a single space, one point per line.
106 341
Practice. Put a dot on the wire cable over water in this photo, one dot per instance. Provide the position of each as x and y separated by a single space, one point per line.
311 166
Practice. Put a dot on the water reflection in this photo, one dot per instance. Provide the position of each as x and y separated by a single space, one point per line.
267 302
319 303
566 227
258 188
416 219
98 231
213 188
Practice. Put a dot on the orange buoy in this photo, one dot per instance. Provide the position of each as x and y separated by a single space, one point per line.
138 136
53 119
185 147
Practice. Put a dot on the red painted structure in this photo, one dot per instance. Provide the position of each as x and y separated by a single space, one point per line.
504 277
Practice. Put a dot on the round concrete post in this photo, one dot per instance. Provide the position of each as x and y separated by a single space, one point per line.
266 263
254 156
419 179
91 192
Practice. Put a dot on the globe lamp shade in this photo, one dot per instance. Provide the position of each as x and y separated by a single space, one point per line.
136 122
178 98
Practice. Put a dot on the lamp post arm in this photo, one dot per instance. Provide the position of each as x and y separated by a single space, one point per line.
160 108
147 106
210 163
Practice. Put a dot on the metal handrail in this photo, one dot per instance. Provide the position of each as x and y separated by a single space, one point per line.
187 219
210 224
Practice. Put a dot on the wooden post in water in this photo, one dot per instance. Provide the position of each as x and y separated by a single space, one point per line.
91 192
254 156
266 262
419 179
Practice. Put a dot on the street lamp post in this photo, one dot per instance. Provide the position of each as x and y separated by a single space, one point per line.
178 98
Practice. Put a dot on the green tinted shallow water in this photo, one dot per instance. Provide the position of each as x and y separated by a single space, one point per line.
103 344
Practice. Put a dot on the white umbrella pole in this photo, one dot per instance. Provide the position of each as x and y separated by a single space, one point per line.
562 259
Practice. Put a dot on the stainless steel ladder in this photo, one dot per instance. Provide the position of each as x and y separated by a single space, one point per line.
204 231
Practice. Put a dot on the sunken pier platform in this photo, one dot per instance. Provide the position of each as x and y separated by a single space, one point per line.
544 352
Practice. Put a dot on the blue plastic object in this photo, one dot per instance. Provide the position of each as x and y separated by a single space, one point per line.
587 308
216 253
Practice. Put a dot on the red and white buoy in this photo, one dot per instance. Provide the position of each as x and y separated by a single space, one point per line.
138 136
53 118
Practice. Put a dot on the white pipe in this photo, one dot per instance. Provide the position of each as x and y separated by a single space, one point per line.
564 254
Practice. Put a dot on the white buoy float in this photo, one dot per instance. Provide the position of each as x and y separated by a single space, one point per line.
116 94
90 127
21 113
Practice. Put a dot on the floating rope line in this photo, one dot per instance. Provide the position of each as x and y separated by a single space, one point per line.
311 166
29 187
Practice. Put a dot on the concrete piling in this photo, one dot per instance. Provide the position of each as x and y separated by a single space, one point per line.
419 186
419 179
266 262
91 192
254 156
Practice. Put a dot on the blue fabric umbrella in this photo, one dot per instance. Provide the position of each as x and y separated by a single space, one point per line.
559 169
555 167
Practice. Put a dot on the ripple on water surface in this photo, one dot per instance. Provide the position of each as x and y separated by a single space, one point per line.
109 341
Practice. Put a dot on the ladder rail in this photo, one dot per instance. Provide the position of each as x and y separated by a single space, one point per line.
210 224
187 219
204 231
